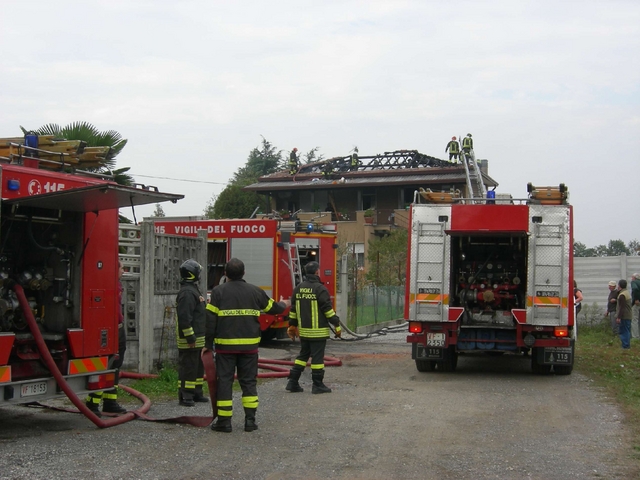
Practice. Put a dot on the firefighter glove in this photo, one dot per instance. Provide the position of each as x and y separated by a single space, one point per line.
293 332
338 332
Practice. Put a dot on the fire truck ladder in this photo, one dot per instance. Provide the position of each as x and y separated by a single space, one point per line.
429 279
294 263
475 185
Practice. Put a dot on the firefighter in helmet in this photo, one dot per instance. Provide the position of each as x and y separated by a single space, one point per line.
467 144
190 335
327 169
233 325
109 398
293 161
454 149
355 160
309 318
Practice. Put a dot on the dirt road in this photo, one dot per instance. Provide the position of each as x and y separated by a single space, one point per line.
384 420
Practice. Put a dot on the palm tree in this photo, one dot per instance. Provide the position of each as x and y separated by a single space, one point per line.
93 138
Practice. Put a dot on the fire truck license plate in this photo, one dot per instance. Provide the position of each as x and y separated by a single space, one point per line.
435 339
558 355
31 389
431 353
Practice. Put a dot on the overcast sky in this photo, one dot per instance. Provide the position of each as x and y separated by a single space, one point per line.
550 90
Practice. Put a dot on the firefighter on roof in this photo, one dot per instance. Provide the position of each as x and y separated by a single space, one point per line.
190 335
467 144
454 149
309 318
293 162
233 325
355 161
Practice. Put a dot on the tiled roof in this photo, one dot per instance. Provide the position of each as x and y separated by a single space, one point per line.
408 176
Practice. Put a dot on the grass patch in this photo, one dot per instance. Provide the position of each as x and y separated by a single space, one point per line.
600 357
163 386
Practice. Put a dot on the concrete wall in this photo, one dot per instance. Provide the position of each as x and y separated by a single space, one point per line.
594 273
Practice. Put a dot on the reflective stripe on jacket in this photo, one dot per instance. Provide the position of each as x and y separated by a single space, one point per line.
311 309
190 307
233 316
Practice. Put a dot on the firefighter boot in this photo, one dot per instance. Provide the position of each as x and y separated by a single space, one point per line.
184 401
222 425
318 386
110 402
292 385
93 403
199 397
250 420
112 406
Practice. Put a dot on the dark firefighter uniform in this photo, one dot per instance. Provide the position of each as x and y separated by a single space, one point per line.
234 327
355 161
454 149
190 330
467 143
311 312
293 162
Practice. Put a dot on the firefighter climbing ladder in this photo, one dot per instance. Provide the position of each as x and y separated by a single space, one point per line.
475 185
294 263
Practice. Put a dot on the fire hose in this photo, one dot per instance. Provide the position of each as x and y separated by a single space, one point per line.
141 412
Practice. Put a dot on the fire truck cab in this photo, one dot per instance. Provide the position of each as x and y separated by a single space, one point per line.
274 252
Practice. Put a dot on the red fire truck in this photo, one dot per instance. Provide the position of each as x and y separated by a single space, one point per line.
492 276
59 277
274 253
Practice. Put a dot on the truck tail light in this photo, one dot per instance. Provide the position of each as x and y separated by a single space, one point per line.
415 327
561 331
104 380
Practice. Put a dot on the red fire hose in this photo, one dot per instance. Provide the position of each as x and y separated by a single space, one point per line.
207 360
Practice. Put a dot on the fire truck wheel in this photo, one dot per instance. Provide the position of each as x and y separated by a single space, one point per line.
450 360
563 369
425 365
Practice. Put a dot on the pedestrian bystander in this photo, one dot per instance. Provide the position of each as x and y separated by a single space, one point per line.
635 305
612 303
623 314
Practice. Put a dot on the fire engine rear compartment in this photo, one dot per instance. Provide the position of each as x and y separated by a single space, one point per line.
40 251
488 279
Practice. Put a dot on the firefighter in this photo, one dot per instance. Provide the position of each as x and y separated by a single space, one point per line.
355 161
467 144
309 318
110 397
327 169
190 335
233 325
454 149
293 162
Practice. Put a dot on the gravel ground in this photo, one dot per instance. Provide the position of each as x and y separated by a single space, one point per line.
384 420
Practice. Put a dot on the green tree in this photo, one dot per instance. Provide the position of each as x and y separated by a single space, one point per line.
581 250
93 138
312 156
233 201
634 247
387 259
159 211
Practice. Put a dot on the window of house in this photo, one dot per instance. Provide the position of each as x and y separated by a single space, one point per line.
368 200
